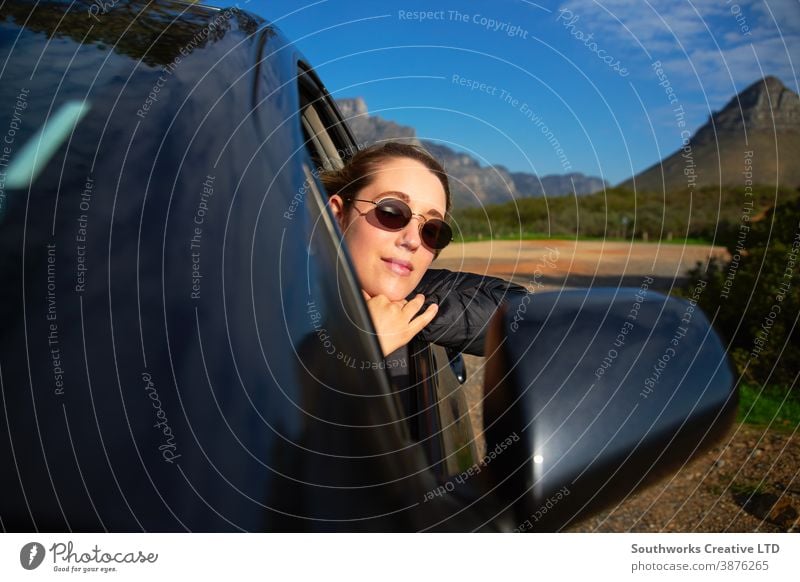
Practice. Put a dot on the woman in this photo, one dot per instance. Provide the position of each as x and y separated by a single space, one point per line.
390 201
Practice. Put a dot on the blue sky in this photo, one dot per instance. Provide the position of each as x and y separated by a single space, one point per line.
545 87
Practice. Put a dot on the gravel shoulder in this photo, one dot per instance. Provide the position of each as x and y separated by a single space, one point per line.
747 483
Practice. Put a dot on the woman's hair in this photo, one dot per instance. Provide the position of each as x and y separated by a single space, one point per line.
359 171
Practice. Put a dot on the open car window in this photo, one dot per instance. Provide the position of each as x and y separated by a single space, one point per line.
433 405
329 141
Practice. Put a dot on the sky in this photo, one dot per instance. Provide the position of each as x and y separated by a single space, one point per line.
606 88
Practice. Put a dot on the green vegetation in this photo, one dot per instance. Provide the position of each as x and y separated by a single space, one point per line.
754 301
746 488
756 297
773 407
708 214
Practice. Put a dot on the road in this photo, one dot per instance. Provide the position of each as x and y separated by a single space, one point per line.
558 263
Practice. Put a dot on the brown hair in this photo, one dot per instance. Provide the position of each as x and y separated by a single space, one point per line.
359 171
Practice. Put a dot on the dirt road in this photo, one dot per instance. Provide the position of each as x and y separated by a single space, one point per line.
558 263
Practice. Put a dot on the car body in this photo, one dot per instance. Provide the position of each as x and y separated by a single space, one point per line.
184 344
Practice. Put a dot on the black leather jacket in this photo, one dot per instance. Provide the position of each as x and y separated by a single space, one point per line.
466 302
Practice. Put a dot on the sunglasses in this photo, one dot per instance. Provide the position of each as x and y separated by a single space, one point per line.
394 214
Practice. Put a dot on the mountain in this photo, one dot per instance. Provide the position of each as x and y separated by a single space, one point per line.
369 129
757 132
471 184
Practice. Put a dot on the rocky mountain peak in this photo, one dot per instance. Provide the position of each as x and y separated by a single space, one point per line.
754 139
765 105
352 107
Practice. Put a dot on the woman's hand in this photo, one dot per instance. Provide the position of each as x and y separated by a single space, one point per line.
394 320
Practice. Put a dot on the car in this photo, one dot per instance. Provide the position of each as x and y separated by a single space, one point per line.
184 343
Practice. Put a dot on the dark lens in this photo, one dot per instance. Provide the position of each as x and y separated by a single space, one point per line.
393 214
436 233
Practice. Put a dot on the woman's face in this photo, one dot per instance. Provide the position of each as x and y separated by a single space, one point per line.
391 263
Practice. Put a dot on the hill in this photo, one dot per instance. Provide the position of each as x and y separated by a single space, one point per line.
754 139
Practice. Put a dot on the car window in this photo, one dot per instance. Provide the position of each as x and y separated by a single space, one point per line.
329 141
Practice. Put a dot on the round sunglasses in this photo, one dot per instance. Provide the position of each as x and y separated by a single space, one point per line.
394 214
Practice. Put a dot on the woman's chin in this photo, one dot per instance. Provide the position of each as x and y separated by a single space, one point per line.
396 292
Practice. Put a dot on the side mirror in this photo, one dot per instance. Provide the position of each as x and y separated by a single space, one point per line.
607 389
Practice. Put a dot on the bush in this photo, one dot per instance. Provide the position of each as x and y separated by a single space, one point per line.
754 300
773 407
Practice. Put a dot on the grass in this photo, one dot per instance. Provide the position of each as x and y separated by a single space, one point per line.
748 488
772 406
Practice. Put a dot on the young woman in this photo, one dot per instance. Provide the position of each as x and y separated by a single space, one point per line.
391 201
